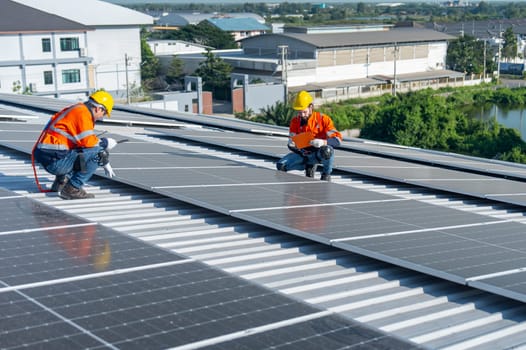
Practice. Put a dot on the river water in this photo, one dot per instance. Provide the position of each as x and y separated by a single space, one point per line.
510 118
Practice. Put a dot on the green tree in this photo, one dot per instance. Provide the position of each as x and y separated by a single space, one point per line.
175 71
215 74
279 114
466 54
361 8
509 48
150 67
418 119
203 33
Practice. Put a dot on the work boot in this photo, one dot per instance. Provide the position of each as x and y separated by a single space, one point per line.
309 170
326 177
59 183
71 192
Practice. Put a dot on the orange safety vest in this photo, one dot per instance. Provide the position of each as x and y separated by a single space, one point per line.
68 129
320 125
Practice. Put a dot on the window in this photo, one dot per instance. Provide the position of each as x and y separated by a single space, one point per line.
71 76
69 44
48 77
46 45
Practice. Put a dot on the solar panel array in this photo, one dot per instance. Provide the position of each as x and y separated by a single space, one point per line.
482 183
69 283
456 245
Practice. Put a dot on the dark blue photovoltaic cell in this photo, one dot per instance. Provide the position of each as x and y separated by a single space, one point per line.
23 214
143 307
40 243
325 212
279 195
23 322
361 219
158 308
456 253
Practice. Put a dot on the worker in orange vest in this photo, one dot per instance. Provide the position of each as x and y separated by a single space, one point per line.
322 138
69 148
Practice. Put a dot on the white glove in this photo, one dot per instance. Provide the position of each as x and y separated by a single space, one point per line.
291 144
109 171
318 143
110 143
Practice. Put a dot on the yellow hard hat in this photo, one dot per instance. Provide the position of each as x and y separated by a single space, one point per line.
103 98
302 101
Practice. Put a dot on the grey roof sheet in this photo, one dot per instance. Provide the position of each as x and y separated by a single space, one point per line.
405 35
18 18
91 12
183 19
237 24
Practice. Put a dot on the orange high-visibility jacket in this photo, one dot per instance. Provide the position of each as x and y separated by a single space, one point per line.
320 125
71 128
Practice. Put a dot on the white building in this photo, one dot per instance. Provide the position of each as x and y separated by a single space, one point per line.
175 47
68 49
328 55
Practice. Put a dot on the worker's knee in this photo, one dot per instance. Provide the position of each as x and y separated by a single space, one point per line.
281 166
325 152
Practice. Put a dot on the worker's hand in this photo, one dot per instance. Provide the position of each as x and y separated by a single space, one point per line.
107 143
109 171
318 143
291 144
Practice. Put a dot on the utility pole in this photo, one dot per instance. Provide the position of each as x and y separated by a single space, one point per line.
126 59
498 59
284 69
395 53
500 49
484 69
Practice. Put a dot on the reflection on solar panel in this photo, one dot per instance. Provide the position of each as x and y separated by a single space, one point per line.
472 184
67 283
353 219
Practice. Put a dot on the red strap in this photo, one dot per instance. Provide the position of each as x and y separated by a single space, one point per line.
33 163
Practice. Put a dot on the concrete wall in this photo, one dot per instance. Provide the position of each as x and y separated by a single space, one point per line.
22 60
296 76
100 62
261 96
109 47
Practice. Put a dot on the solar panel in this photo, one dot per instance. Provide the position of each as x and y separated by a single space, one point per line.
461 254
472 184
433 157
81 285
245 197
321 211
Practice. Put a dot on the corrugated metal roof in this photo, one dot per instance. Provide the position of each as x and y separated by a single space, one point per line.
237 24
91 12
18 18
388 37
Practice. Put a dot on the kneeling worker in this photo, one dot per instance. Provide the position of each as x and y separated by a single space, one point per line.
322 134
69 148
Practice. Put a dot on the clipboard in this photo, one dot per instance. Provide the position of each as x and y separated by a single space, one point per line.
303 140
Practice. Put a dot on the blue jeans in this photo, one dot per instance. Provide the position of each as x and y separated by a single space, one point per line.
65 164
295 161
